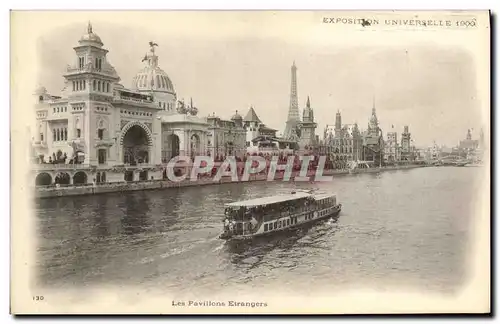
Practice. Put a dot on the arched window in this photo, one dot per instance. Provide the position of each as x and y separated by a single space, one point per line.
54 135
84 84
40 98
163 105
94 85
65 134
107 87
58 135
158 82
98 85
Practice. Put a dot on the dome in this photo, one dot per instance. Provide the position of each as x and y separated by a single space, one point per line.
90 37
236 116
152 77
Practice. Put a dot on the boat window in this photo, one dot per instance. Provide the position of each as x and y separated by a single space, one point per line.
265 227
279 224
275 225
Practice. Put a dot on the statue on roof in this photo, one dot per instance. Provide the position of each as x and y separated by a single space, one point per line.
192 109
152 45
181 107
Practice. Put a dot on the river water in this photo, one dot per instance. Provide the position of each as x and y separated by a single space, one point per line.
397 229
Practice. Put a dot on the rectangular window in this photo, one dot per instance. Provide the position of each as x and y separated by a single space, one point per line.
100 133
101 156
78 132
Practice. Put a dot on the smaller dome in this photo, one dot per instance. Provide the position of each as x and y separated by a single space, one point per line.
91 36
212 116
40 90
236 116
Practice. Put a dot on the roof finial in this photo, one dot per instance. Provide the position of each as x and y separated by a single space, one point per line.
89 28
308 104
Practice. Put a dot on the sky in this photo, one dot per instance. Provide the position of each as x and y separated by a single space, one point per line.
428 86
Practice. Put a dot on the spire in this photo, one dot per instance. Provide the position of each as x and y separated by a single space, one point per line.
89 27
308 104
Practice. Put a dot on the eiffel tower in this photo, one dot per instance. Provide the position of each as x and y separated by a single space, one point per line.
293 120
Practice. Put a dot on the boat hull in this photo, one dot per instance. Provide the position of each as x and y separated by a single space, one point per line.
336 211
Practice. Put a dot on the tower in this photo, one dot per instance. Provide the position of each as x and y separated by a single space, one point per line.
307 126
338 124
405 144
293 110
89 86
373 126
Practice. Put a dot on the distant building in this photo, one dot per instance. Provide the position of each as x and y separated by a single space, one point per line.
468 144
263 139
391 148
226 137
407 153
343 142
373 142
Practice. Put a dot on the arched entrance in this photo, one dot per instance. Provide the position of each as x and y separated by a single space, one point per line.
43 179
80 178
136 142
195 145
174 145
62 178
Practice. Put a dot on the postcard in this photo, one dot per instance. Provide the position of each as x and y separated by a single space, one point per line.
250 162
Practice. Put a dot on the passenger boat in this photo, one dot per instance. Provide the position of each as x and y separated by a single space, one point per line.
268 215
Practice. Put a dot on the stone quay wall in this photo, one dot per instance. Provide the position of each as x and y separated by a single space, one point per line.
94 189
